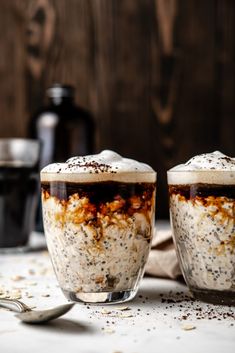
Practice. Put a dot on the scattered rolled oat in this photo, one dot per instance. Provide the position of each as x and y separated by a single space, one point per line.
125 315
6 295
45 295
32 283
16 294
188 327
17 278
108 330
105 312
43 271
122 308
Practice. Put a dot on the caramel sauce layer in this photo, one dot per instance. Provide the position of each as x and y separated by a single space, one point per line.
106 197
201 191
219 199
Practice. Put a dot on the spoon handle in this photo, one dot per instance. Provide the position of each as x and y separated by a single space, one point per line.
14 305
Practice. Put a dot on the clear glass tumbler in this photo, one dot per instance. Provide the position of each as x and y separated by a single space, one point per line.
98 235
19 190
203 224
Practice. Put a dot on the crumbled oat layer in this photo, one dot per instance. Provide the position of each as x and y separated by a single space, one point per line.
204 229
99 244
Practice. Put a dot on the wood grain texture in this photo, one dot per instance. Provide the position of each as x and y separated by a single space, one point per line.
158 75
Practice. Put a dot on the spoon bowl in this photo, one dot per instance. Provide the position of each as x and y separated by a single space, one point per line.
29 316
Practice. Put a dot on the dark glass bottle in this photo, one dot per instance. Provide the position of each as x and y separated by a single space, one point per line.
64 128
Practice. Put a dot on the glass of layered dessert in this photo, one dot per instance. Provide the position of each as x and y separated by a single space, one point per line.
202 211
98 214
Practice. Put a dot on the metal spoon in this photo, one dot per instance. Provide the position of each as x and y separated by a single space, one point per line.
34 316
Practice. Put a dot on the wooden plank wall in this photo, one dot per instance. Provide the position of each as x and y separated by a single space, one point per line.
158 75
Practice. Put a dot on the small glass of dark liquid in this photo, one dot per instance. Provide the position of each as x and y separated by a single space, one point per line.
19 189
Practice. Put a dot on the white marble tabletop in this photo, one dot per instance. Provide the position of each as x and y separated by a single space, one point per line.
162 317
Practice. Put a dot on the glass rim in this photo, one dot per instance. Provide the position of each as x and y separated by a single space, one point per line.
19 152
19 139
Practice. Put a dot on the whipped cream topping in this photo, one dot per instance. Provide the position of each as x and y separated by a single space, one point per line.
204 168
105 166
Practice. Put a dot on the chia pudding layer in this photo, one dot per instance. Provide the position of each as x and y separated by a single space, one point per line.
98 226
202 210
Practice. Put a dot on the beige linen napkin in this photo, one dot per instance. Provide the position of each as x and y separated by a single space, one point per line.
162 261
